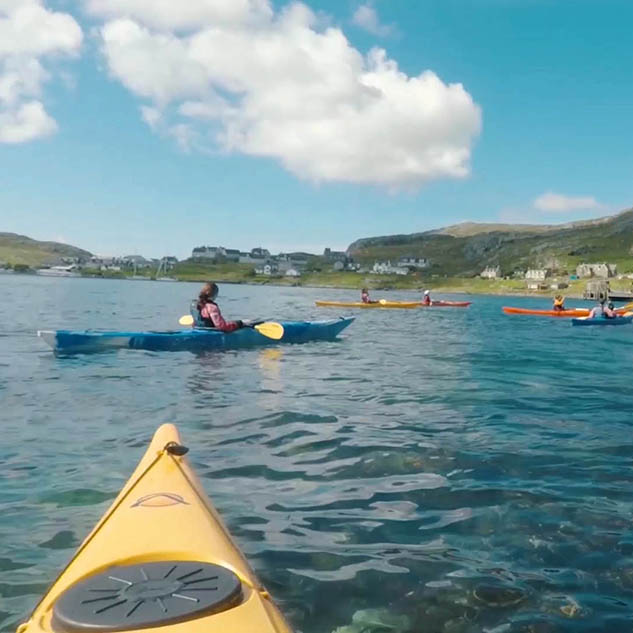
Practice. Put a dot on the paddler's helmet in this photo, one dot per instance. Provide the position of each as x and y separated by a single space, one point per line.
610 306
427 292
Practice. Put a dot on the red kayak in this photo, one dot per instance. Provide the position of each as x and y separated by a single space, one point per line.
447 304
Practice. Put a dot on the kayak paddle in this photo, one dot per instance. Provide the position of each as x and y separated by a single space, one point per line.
270 329
187 319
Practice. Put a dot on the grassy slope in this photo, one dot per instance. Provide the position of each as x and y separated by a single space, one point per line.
467 254
19 249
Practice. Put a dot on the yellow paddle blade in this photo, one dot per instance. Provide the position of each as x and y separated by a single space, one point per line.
187 319
271 329
628 314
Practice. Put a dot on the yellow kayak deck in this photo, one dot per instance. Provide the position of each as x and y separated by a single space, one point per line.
160 560
378 304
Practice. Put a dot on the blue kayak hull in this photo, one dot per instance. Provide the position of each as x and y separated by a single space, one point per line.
193 340
621 320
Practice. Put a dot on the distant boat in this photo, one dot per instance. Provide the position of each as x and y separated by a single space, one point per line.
135 277
162 267
58 271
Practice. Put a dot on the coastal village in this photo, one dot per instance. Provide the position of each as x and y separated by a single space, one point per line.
260 259
585 259
260 262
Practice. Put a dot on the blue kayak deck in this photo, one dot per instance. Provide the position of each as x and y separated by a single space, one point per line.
601 321
193 340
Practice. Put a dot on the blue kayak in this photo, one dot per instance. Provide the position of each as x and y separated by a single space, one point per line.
193 340
619 320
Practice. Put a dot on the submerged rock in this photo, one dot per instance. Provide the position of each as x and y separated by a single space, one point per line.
376 621
498 595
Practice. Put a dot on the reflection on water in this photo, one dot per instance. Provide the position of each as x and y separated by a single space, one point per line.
271 382
453 470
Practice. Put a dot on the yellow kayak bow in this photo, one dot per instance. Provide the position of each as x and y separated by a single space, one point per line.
160 560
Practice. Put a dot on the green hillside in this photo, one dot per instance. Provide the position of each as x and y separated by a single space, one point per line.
22 250
465 250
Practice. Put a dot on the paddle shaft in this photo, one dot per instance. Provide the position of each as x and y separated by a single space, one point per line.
270 329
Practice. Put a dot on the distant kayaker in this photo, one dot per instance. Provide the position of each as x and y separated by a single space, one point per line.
559 303
426 300
364 296
209 311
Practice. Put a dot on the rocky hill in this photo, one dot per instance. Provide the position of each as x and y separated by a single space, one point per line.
466 249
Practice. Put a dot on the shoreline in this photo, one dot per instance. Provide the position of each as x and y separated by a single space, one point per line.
477 288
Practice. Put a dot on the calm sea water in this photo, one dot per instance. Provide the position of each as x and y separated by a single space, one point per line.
463 470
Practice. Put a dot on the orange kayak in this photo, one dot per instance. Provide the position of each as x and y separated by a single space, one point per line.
574 312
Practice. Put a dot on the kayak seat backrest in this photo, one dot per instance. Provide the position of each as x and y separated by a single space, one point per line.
195 314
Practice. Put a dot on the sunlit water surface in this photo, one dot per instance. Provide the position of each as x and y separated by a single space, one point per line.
466 470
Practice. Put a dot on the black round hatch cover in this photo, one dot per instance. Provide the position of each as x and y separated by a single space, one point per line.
146 595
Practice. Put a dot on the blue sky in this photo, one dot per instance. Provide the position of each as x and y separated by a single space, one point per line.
289 132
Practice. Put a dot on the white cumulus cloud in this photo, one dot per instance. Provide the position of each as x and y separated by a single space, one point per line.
30 34
26 122
557 203
366 18
170 15
238 76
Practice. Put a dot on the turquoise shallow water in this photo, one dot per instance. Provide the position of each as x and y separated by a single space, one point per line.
468 470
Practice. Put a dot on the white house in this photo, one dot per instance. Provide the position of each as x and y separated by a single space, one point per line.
293 272
208 252
491 272
256 256
269 268
414 262
537 274
385 268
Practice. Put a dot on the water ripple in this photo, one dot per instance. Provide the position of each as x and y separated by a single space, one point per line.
464 470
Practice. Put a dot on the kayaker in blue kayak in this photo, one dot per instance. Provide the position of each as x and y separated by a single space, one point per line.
209 311
601 311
